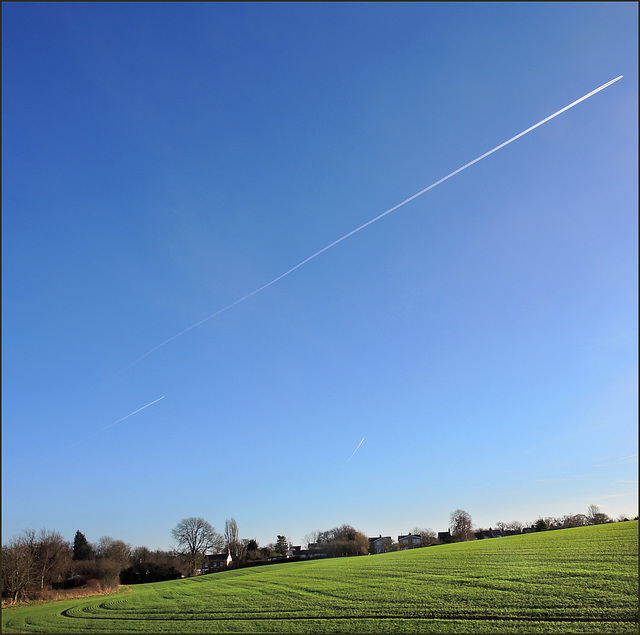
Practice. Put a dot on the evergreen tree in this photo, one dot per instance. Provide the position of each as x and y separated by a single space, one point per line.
282 545
541 525
82 549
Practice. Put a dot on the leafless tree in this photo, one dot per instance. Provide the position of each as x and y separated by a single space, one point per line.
311 540
195 536
232 538
54 555
19 566
515 525
116 551
595 516
460 525
427 536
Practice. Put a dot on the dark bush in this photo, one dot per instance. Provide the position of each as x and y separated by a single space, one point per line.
148 572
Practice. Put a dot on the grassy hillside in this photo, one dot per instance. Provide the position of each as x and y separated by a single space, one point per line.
582 580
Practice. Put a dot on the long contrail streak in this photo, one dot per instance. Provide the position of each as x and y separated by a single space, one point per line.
119 421
376 219
354 452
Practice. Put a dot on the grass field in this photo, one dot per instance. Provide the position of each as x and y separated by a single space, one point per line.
582 580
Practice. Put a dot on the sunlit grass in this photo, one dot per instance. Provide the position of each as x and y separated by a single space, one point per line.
582 580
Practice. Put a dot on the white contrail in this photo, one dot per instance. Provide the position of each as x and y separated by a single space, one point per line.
354 452
373 220
624 458
118 421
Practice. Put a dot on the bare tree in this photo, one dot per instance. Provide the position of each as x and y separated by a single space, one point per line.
515 525
116 551
19 566
460 525
595 516
311 539
427 536
231 538
195 536
53 555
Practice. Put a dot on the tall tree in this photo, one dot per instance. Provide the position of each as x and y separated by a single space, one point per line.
460 525
19 566
282 545
231 538
194 537
53 555
82 549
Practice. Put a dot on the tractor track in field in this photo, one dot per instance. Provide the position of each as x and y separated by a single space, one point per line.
426 617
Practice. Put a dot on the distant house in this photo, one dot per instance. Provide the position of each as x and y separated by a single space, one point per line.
488 533
409 541
445 537
216 562
381 544
306 554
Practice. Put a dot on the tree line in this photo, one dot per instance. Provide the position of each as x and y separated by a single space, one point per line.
39 565
44 565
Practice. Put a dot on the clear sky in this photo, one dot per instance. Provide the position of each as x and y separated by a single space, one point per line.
161 161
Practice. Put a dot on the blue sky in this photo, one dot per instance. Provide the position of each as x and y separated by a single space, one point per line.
161 161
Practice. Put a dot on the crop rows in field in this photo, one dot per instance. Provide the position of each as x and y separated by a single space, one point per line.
581 580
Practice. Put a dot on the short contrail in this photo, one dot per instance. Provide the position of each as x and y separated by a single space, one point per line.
624 458
118 421
354 452
374 220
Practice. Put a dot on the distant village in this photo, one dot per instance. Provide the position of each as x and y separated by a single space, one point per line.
377 545
347 541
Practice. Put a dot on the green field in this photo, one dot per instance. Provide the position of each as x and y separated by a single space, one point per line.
582 580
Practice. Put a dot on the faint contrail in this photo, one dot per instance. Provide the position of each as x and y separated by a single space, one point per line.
354 452
118 421
624 458
373 220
